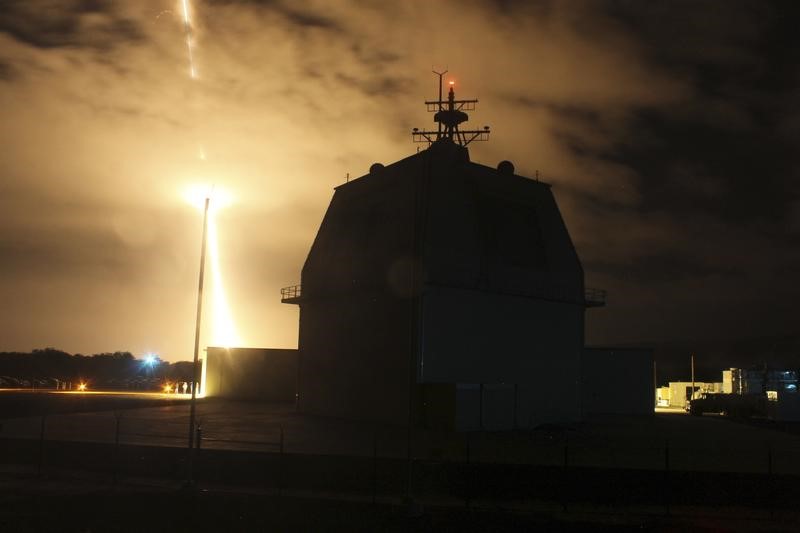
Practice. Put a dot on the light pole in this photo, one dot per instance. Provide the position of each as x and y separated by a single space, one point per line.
193 404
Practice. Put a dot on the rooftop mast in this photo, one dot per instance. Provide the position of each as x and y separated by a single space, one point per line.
449 114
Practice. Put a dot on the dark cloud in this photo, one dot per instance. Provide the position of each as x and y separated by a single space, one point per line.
378 86
377 58
72 255
309 19
711 173
665 267
301 18
78 23
6 71
739 175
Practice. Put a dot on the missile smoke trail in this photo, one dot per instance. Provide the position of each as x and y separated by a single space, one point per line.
187 28
223 330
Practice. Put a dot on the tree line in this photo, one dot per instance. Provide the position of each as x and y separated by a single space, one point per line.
52 368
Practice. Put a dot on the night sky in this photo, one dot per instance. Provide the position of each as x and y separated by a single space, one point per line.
669 130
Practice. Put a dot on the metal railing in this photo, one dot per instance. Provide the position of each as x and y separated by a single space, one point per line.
592 297
293 292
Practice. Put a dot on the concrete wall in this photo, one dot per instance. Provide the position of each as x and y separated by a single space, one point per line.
354 361
617 381
356 330
480 337
263 374
488 406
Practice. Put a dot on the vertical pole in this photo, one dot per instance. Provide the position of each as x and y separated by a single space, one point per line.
193 406
468 474
374 465
668 488
771 481
565 485
280 465
480 407
118 417
439 124
297 380
41 445
515 406
655 385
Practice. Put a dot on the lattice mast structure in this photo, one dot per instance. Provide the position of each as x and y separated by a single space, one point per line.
448 115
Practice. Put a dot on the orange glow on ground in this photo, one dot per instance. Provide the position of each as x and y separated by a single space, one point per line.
149 394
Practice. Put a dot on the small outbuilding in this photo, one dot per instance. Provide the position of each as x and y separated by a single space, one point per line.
263 374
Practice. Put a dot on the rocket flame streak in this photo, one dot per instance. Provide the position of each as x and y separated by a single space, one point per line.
187 28
223 330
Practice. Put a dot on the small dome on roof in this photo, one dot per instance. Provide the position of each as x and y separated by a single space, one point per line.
505 167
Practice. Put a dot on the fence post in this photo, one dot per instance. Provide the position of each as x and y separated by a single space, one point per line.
771 483
515 425
41 445
480 407
280 465
374 465
468 474
565 475
668 482
118 417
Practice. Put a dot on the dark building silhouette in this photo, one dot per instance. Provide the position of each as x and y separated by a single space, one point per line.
444 290
442 293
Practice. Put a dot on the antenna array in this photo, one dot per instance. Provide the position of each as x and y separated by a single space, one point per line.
448 115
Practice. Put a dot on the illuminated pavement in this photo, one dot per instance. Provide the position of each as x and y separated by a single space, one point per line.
130 394
225 425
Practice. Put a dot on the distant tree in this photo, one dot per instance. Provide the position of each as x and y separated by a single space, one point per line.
113 370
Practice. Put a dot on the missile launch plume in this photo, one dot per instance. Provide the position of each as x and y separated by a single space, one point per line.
187 28
223 331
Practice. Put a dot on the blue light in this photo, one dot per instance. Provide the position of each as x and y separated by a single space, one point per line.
150 360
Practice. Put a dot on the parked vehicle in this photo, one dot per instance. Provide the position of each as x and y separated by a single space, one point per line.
732 405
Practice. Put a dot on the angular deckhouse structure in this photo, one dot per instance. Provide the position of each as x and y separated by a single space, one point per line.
442 292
